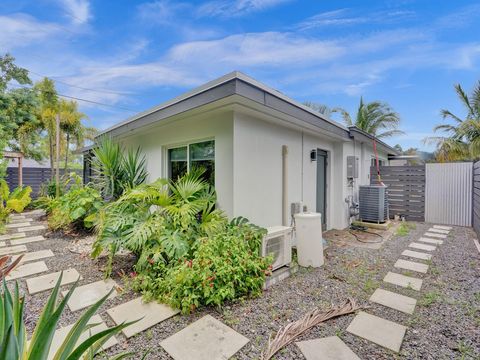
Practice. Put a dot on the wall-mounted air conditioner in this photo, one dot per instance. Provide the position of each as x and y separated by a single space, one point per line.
277 243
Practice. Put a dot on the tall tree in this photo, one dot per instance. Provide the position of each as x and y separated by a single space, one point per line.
47 114
321 108
461 140
376 118
15 106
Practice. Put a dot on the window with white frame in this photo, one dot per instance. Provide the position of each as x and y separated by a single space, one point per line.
373 162
184 158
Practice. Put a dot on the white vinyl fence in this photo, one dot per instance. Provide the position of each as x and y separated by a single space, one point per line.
448 193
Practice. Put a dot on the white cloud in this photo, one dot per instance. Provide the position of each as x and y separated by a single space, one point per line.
233 8
161 12
20 30
77 10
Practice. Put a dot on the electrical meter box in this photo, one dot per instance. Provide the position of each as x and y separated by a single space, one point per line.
352 167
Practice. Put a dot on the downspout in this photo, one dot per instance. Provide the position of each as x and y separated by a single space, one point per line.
284 185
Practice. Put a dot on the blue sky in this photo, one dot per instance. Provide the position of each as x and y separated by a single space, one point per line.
132 55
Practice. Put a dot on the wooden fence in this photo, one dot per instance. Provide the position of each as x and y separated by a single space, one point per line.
33 177
476 198
406 189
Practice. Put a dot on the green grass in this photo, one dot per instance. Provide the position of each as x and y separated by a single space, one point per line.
429 298
404 228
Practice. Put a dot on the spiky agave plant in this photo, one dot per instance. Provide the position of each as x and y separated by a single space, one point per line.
14 344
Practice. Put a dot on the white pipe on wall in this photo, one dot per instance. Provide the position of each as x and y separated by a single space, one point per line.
284 185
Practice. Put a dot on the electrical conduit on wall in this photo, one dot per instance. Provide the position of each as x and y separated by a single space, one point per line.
284 185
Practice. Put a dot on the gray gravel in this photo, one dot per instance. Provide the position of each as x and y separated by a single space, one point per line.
448 328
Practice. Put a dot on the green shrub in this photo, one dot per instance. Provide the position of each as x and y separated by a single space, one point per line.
16 201
224 266
188 254
14 345
74 208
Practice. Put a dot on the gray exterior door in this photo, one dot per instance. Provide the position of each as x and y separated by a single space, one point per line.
322 185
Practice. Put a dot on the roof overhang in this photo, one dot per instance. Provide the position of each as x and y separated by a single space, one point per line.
362 136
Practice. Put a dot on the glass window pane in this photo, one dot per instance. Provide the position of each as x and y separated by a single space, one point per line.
209 169
177 154
202 151
177 162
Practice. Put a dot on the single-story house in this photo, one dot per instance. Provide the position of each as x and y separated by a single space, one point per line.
262 150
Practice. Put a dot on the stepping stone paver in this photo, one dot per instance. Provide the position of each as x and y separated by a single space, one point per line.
205 339
403 281
17 225
62 333
15 216
329 348
32 228
417 255
48 281
12 236
432 235
27 270
3 243
431 241
34 212
13 250
22 219
438 231
442 227
382 332
422 246
34 255
152 313
411 265
393 300
27 240
89 294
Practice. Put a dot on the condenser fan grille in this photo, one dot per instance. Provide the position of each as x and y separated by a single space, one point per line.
274 248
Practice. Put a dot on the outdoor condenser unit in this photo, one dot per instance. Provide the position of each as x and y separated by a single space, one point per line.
277 243
373 201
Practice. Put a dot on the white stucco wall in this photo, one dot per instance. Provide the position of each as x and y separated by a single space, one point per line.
195 128
258 171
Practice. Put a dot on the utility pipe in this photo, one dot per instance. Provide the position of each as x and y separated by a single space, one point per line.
284 185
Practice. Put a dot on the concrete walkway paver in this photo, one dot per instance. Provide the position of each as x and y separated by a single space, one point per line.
431 241
22 219
27 270
48 281
62 333
393 300
2 243
27 240
380 331
12 236
328 348
411 265
205 339
17 225
89 294
422 246
152 313
13 250
403 281
438 236
34 255
32 228
438 231
442 227
417 255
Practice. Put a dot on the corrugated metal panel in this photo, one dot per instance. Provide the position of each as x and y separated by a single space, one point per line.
448 193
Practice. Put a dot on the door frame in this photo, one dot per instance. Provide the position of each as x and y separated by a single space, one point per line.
324 154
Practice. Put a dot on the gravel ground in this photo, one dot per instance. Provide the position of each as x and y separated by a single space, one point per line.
445 324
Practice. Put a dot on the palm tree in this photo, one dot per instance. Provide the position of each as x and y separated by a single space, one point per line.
462 138
71 125
321 108
376 118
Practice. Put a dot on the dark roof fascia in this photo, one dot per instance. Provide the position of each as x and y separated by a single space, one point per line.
363 136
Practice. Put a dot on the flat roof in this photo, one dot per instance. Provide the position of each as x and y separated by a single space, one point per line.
237 83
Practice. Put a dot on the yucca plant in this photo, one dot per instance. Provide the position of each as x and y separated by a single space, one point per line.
14 344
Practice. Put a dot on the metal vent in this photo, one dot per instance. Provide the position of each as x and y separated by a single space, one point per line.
274 248
373 203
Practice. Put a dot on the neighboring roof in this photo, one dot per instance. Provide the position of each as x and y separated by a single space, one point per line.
234 83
